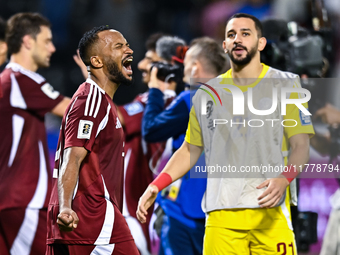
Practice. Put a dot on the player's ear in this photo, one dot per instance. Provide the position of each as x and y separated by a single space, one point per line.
194 70
3 48
262 43
224 47
96 62
27 41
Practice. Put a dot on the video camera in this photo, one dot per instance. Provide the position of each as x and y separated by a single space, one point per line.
167 72
292 48
295 49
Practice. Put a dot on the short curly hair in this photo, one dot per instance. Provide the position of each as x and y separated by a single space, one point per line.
86 43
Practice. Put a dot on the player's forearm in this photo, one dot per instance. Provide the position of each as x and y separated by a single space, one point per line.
60 108
72 159
66 185
299 154
182 160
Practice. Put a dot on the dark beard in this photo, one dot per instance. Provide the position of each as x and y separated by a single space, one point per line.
114 74
244 61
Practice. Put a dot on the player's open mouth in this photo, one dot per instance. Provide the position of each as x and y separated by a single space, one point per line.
127 65
239 49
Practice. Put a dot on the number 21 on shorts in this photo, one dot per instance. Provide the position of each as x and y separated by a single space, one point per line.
282 248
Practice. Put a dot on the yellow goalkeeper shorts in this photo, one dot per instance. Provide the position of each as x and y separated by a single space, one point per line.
222 241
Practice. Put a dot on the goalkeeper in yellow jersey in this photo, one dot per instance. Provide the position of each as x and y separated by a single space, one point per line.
246 212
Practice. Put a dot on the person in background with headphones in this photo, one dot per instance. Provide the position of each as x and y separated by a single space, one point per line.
183 223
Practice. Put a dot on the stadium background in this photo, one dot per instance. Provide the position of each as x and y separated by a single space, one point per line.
137 19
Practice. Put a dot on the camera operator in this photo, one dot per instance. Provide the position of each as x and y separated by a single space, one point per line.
183 226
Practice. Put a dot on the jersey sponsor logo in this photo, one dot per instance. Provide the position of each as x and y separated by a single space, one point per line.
133 108
118 125
212 89
84 129
49 91
305 119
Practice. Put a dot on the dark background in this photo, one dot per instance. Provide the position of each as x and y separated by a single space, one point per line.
137 19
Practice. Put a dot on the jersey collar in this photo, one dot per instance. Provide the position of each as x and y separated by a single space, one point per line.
89 80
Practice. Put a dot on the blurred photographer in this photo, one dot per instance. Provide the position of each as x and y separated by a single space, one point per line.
183 223
170 67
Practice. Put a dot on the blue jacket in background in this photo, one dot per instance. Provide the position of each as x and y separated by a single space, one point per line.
159 125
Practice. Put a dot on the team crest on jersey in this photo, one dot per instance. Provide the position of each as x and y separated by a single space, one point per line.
84 129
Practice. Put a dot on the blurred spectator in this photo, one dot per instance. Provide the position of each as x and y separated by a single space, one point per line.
183 223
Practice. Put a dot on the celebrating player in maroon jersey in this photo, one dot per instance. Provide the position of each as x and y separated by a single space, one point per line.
84 214
25 175
141 159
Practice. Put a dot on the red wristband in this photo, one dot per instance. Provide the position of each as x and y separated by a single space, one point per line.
163 180
290 172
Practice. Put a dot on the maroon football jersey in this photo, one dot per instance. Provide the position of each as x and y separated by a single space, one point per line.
141 158
91 121
25 174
